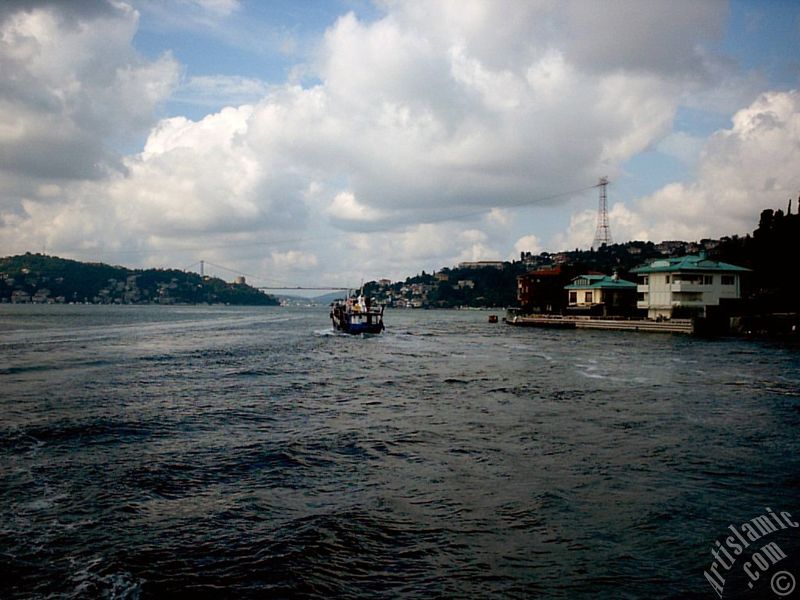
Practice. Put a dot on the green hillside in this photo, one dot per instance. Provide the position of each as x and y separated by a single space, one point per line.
50 279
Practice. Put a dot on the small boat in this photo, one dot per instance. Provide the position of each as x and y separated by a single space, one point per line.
356 314
492 318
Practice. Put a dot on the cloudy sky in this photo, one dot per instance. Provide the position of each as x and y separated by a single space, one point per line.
322 142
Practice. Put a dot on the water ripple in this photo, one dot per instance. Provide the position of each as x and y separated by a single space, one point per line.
247 453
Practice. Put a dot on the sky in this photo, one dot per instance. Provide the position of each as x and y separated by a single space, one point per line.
328 142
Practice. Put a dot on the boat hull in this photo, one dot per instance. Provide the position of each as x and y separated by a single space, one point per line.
357 322
359 328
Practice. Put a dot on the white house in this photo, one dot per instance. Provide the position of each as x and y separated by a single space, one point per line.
685 286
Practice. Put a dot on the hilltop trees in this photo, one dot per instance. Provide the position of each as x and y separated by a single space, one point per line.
41 278
771 252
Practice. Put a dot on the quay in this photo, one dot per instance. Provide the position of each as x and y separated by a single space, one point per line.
586 322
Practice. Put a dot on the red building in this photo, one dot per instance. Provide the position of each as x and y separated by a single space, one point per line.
542 291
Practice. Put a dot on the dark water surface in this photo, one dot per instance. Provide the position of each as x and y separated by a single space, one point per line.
151 452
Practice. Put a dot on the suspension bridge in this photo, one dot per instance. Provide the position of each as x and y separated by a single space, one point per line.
273 286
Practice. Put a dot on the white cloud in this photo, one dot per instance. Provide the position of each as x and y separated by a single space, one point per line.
499 217
473 236
580 232
527 243
475 244
438 110
72 87
682 146
196 177
741 170
345 207
293 259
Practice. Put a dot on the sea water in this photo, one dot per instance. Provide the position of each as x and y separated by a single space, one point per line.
221 452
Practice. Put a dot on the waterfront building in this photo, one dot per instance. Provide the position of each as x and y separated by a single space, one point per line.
601 295
686 286
542 290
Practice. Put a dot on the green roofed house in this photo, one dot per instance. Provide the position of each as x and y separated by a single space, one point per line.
685 286
601 295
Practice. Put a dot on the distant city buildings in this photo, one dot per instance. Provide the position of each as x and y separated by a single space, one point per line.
481 264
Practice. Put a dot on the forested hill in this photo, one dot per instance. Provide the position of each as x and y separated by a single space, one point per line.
771 252
48 279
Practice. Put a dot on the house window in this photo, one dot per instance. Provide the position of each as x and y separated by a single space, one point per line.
708 279
588 297
667 278
728 280
645 280
573 297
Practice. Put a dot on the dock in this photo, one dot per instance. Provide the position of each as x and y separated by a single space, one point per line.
685 326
